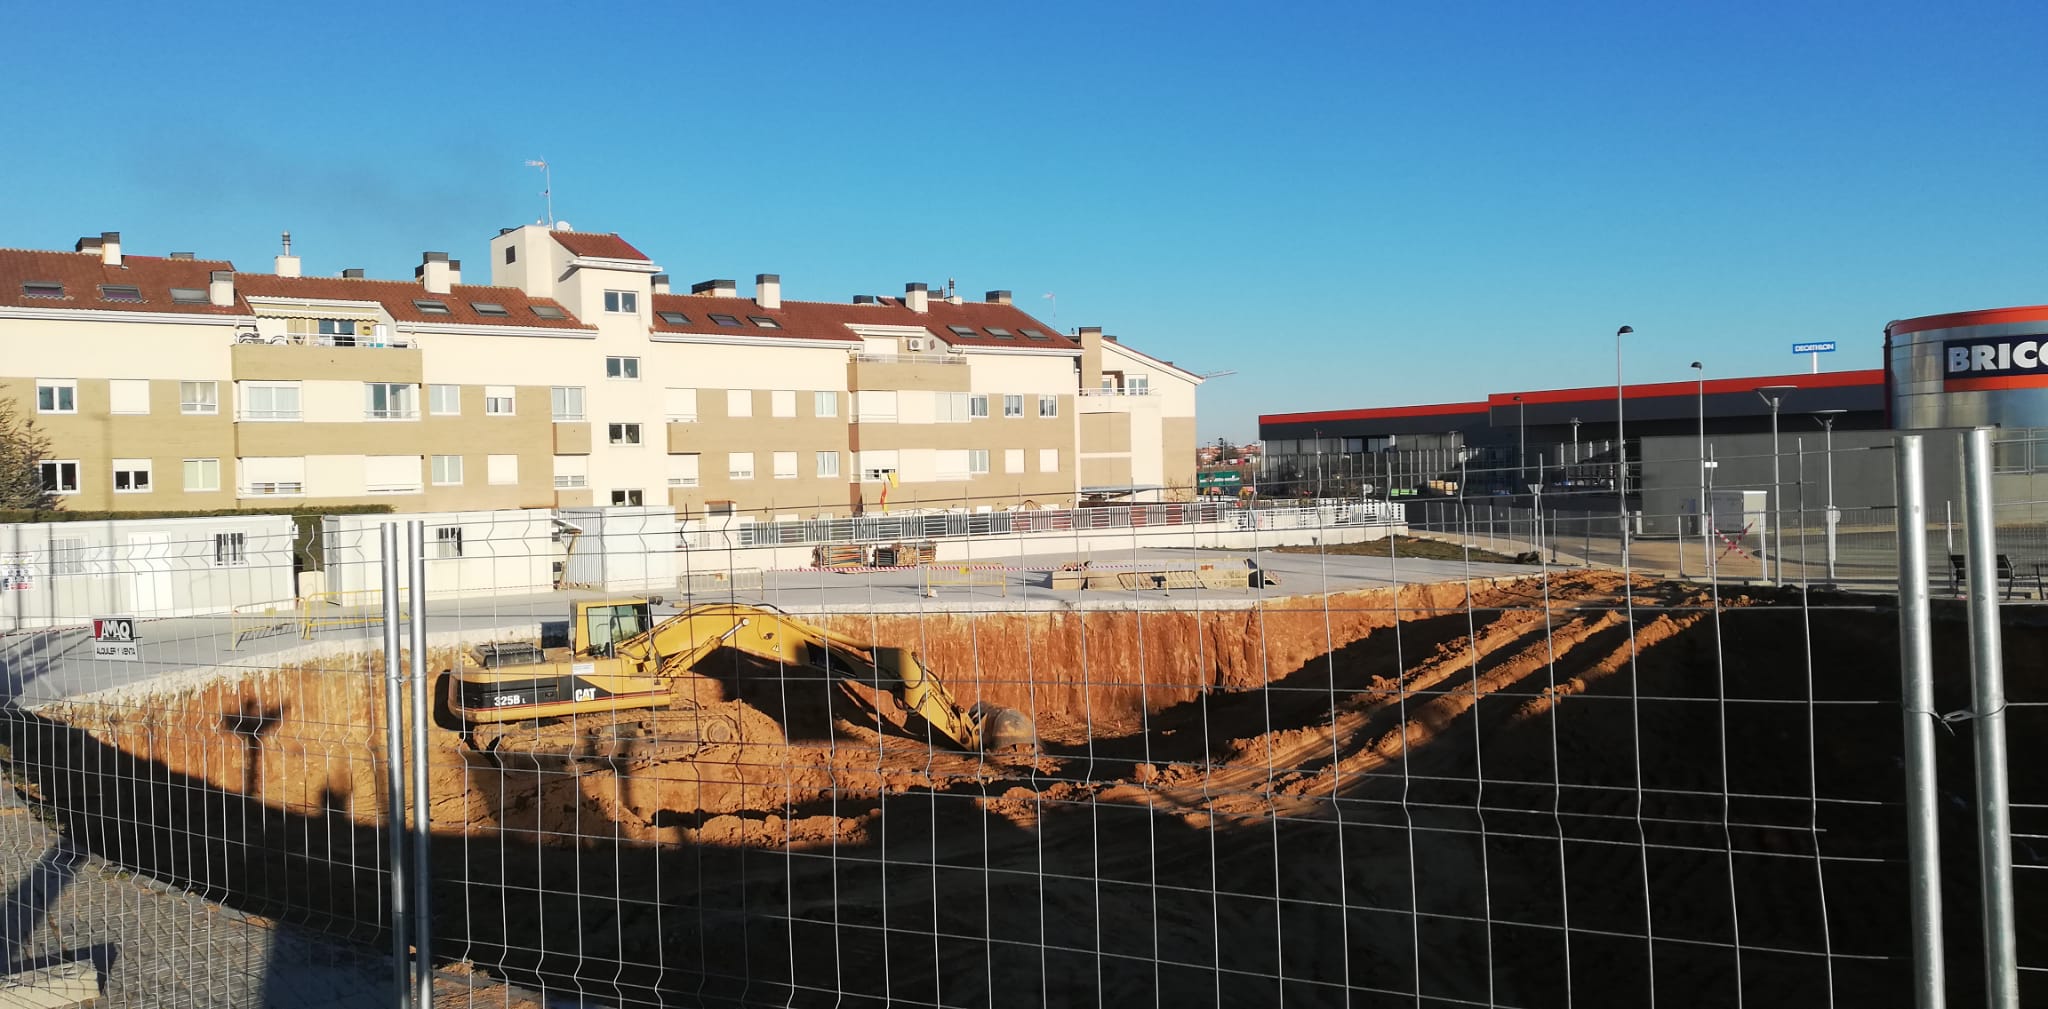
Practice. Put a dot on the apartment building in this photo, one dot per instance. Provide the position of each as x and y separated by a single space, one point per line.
576 377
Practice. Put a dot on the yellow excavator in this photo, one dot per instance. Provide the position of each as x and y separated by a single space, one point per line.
619 659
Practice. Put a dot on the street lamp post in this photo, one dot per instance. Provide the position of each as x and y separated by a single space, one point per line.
1826 419
1522 453
1701 510
1575 441
1774 395
1621 446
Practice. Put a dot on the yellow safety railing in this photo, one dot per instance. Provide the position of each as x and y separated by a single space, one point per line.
245 623
322 610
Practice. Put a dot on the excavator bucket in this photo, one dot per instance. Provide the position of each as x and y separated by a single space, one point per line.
1002 728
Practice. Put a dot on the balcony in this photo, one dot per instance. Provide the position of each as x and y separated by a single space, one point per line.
889 371
1117 391
285 361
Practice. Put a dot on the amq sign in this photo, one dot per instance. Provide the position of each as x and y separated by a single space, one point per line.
114 638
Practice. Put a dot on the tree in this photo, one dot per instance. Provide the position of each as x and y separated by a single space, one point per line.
22 450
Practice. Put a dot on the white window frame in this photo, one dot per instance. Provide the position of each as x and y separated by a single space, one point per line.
782 472
622 369
395 395
782 403
501 401
274 414
63 395
1048 406
408 484
977 462
114 396
77 477
627 498
447 541
204 486
733 470
199 399
622 302
977 406
876 406
1137 384
571 481
825 403
742 399
68 556
828 463
146 467
231 550
563 410
446 470
1013 406
624 434
444 400
696 466
669 404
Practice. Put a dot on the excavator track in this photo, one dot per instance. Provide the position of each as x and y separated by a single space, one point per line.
622 741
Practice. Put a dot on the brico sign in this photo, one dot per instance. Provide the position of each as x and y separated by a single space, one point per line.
1998 362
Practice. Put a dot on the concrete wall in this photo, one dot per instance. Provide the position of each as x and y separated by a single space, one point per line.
481 553
55 573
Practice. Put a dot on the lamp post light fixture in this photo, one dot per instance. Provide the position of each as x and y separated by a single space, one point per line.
1620 446
1774 395
1826 419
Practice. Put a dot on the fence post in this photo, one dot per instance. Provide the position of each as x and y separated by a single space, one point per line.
1916 697
394 768
1987 662
422 877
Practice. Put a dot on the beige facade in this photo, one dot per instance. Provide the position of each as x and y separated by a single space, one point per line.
578 379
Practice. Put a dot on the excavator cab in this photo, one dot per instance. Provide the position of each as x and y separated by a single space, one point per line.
601 625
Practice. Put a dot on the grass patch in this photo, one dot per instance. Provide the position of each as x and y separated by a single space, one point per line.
1418 547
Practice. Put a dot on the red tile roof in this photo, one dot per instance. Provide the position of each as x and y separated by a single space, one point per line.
397 297
82 273
827 320
605 246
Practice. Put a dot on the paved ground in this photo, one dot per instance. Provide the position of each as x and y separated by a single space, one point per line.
38 667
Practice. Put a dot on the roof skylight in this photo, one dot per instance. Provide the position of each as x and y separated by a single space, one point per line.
429 306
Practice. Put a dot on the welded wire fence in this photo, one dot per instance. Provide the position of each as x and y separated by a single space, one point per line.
1312 754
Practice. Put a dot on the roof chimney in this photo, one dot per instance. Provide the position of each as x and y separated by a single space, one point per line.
90 243
454 272
997 297
716 288
915 298
433 271
661 283
352 273
183 256
768 290
287 264
220 288
110 248
864 299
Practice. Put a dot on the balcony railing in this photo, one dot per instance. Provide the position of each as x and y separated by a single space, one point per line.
324 340
1140 391
910 358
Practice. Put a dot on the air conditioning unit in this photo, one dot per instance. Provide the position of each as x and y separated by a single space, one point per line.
915 343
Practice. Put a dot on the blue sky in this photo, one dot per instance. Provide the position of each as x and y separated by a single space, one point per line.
1351 205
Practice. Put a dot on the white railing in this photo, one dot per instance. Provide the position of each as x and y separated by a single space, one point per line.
1328 513
1117 392
868 358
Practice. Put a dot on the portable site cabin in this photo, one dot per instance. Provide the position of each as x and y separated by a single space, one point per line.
58 573
620 549
468 553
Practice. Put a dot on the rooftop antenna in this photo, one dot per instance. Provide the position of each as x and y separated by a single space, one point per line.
287 243
548 181
1049 296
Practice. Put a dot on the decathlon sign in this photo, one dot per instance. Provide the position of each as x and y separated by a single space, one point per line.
1969 361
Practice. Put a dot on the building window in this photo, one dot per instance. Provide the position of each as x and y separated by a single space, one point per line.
782 403
625 434
447 470
825 404
1013 406
951 408
391 474
444 400
199 398
202 475
132 476
1013 460
828 464
622 302
60 476
67 556
679 406
128 395
1048 460
271 476
120 292
572 471
683 470
391 401
739 402
874 405
626 498
622 368
501 470
568 402
497 401
511 254
1137 385
977 461
739 466
977 407
230 550
447 542
877 474
876 465
1048 406
270 400
56 395
332 328
41 289
430 306
785 465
